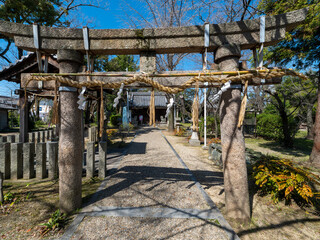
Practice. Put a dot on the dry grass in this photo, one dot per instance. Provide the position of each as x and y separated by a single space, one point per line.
35 201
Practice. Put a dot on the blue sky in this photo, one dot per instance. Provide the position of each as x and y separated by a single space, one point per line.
112 17
99 18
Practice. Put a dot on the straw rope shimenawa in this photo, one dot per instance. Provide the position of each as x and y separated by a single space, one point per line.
241 77
210 77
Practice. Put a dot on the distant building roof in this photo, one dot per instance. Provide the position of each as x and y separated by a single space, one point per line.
8 103
27 64
142 99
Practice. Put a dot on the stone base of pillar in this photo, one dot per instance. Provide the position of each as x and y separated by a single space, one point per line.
194 140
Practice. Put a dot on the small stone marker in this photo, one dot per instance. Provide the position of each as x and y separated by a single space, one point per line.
90 159
102 159
52 153
194 140
16 161
5 159
28 160
41 160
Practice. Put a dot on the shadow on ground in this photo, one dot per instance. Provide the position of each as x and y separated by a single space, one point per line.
302 147
133 174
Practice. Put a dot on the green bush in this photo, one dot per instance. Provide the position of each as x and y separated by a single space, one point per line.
14 118
115 119
210 125
269 126
285 181
39 124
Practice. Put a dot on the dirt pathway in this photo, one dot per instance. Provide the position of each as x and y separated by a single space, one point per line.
152 195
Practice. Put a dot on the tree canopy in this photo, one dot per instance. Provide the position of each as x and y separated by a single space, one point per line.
302 45
44 12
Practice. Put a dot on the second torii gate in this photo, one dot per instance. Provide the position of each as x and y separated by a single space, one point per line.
226 40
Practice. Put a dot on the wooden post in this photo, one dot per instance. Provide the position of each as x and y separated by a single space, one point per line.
1 190
70 139
232 141
24 111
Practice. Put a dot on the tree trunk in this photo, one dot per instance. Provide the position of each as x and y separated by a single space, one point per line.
288 141
287 138
315 154
310 128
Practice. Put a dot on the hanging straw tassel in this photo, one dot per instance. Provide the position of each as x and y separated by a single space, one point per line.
195 109
55 108
101 113
243 105
152 110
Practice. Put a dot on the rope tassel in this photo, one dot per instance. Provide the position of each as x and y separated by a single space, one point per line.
195 109
243 106
152 110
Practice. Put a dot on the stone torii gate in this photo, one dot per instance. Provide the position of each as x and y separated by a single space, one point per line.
226 40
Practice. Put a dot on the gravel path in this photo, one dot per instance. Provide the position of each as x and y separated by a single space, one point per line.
152 195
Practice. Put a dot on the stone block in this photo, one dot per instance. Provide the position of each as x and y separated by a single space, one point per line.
11 138
194 140
5 159
3 139
41 171
90 134
37 137
217 158
16 161
43 136
31 137
52 156
90 159
54 134
49 137
28 160
148 62
102 159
